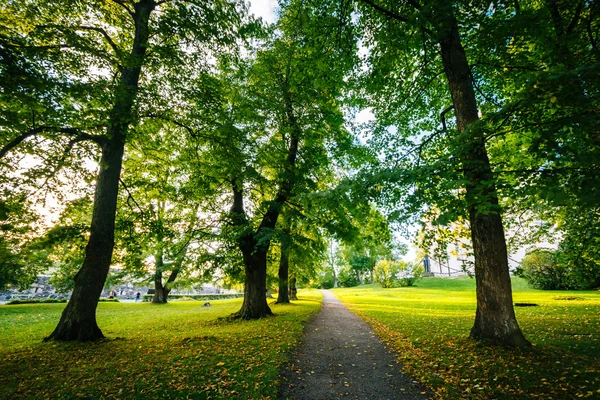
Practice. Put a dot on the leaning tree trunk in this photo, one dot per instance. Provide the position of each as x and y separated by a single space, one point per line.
284 268
495 320
78 320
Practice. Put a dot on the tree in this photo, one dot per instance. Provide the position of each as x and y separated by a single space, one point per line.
429 30
166 214
114 38
289 106
16 268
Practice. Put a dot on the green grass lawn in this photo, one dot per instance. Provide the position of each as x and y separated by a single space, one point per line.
428 327
177 350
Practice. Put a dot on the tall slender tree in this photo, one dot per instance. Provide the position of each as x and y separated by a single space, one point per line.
103 55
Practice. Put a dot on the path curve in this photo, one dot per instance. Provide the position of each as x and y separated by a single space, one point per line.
340 356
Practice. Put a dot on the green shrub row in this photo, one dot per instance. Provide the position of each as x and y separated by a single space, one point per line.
36 301
550 269
149 297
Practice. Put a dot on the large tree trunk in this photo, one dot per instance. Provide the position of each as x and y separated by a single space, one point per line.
495 320
78 320
255 289
284 267
252 244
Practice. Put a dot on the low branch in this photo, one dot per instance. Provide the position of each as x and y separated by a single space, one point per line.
81 136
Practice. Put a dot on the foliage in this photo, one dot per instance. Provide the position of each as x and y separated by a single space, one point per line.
426 327
555 270
201 356
326 278
46 301
391 273
386 273
17 223
347 277
149 297
579 250
409 273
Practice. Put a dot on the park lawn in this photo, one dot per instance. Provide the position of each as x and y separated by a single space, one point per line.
175 350
428 327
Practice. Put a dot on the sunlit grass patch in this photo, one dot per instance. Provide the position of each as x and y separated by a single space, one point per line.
428 327
176 350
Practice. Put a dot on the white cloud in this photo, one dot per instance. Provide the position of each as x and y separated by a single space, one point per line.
264 9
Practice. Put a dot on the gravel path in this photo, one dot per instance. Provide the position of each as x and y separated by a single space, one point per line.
341 357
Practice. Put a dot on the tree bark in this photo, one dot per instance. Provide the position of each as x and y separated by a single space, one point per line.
78 320
254 250
284 267
293 290
160 292
495 320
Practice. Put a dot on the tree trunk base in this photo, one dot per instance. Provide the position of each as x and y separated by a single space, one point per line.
245 314
68 331
514 339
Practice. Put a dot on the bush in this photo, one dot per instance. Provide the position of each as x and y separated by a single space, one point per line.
50 300
397 273
347 278
410 272
386 273
174 297
326 280
542 269
35 301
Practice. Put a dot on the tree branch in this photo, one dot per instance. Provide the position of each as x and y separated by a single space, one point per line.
130 197
505 66
385 11
81 136
194 133
443 115
576 16
106 37
124 5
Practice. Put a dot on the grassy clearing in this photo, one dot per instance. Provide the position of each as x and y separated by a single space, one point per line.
428 327
177 350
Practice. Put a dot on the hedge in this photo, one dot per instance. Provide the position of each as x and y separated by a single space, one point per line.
149 297
36 301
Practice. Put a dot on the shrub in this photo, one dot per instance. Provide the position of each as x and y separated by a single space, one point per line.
386 272
51 300
397 273
347 278
542 269
409 273
174 297
326 279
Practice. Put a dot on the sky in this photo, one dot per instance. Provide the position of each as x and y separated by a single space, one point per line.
264 9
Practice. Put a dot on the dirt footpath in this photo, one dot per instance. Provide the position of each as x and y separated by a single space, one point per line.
341 357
